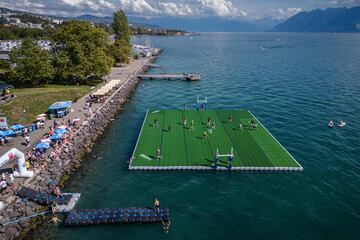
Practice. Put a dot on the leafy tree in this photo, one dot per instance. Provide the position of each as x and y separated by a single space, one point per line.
120 26
81 52
121 48
32 64
6 33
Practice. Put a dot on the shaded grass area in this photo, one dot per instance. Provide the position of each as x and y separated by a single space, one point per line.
186 146
36 100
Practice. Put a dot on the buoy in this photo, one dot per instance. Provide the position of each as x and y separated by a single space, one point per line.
331 124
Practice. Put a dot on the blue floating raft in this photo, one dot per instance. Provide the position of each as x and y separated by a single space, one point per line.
115 216
42 198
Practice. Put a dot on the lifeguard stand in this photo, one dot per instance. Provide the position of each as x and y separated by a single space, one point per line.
201 103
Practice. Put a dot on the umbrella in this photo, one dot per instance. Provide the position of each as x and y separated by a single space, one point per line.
56 137
7 133
17 127
61 131
43 145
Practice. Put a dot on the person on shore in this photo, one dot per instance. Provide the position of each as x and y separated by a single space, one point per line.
12 180
27 164
57 191
3 185
158 153
27 140
157 205
25 131
192 125
3 142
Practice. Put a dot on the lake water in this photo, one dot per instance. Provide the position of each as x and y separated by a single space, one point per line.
294 84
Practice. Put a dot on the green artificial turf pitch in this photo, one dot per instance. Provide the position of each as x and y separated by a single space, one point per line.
185 148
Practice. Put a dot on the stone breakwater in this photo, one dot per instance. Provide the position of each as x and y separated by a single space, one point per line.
60 170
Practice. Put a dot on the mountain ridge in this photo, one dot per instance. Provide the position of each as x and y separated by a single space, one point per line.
329 20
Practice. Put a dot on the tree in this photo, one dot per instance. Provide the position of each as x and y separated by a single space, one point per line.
120 26
81 52
32 64
121 48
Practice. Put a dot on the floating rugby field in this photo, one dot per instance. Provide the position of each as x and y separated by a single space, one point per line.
186 148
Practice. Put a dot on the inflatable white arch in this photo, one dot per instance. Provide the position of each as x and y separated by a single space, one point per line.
12 154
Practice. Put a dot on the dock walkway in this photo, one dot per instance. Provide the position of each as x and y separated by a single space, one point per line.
185 76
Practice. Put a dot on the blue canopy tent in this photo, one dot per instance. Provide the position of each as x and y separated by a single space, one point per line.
42 146
61 131
56 137
7 133
59 109
17 128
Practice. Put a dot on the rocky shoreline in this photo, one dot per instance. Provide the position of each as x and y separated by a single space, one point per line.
60 171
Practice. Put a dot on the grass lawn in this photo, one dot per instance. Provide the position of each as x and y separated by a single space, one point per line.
37 100
183 146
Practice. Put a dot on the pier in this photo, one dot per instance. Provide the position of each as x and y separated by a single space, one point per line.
184 77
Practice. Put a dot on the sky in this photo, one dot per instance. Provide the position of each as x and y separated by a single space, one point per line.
230 9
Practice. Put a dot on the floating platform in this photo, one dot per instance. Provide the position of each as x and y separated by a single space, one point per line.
116 216
64 203
184 148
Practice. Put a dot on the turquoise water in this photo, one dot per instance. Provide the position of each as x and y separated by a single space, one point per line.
294 84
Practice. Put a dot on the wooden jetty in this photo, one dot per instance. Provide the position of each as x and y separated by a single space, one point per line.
185 76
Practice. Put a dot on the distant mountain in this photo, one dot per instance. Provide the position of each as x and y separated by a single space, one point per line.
204 24
329 20
94 19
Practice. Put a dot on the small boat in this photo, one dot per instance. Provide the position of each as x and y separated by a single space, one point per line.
342 124
330 124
